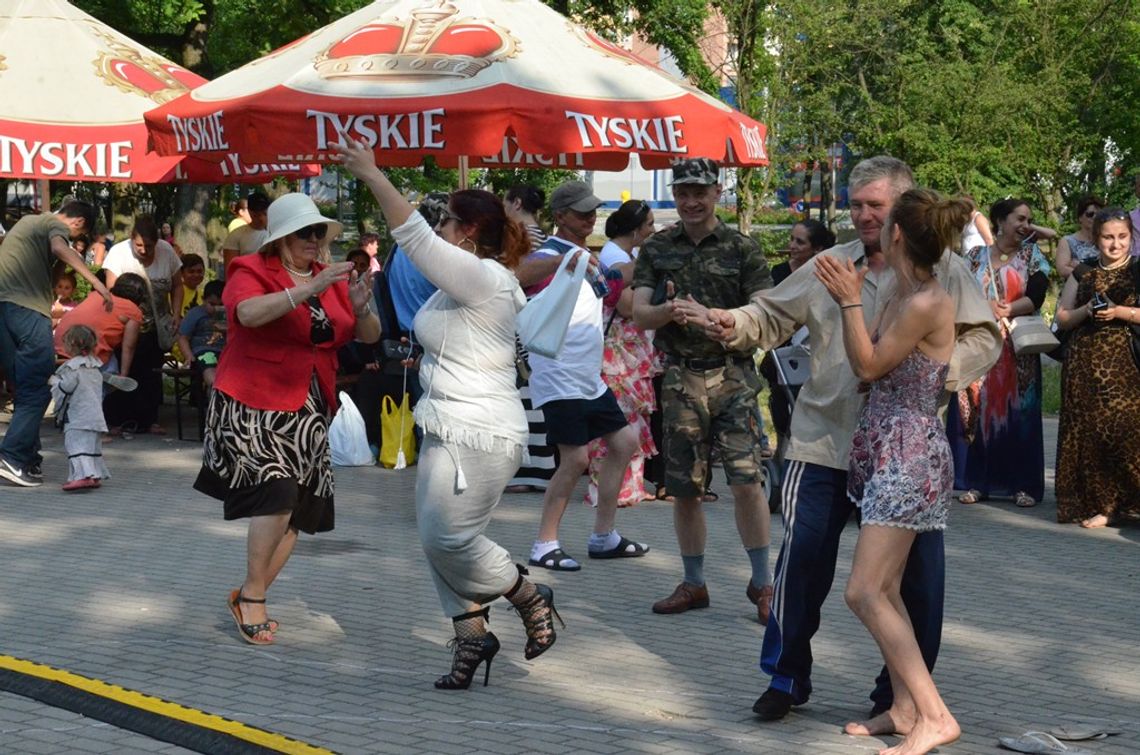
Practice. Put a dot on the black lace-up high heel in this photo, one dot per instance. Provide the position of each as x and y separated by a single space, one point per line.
538 614
469 651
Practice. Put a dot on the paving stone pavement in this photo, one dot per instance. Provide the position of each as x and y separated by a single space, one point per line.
127 584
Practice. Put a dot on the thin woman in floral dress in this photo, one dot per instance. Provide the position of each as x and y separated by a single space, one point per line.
900 471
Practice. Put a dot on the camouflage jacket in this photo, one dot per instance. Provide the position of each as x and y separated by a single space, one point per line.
722 270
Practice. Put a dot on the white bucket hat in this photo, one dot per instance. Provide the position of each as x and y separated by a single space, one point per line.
292 212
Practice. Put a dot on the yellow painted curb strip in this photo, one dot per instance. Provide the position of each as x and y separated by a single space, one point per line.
161 707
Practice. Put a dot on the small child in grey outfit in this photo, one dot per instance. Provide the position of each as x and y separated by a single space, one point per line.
77 387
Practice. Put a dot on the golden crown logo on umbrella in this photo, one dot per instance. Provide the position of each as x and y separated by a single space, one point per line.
128 70
435 43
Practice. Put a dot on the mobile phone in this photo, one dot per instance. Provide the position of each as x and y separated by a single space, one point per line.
1099 302
399 350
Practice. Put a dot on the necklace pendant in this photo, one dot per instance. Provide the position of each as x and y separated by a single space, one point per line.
1004 258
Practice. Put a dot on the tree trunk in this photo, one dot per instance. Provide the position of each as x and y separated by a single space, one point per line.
193 213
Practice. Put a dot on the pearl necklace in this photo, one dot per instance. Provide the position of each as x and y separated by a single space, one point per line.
1115 266
298 273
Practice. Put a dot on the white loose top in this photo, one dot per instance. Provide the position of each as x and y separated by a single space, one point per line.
467 329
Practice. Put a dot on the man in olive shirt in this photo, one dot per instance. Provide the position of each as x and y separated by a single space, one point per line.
27 354
708 397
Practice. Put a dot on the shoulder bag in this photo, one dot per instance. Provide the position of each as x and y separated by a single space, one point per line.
543 322
1029 333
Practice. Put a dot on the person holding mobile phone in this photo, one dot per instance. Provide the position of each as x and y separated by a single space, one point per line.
475 431
265 451
1098 454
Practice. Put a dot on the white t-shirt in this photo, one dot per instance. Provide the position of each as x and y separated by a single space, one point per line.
613 255
577 372
971 236
246 239
121 259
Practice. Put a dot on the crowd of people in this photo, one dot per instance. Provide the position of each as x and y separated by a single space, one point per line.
917 388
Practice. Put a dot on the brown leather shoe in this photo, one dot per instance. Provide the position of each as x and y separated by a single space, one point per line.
685 597
761 597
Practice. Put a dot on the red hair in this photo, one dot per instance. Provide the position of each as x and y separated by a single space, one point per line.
496 236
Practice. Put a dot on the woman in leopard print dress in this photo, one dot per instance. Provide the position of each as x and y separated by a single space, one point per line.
1098 448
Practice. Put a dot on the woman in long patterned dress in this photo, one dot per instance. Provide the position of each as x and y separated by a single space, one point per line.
629 361
266 451
1098 447
899 472
995 425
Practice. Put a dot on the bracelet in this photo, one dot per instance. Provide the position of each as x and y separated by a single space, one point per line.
363 311
292 302
849 306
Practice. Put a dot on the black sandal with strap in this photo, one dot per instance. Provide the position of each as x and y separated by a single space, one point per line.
249 632
553 560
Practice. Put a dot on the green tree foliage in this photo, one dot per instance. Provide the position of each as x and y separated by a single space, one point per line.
992 98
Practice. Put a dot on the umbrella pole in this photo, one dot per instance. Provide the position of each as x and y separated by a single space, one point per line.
44 186
463 166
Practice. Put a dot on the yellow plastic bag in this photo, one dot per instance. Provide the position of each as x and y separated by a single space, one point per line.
397 436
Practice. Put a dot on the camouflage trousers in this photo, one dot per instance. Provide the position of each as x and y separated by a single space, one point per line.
706 410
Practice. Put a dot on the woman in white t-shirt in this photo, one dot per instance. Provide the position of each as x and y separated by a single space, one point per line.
629 361
145 254
977 231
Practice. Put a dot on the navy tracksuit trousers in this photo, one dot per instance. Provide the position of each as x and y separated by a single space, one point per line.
815 510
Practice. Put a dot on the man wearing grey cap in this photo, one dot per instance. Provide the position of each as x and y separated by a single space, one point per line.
577 405
708 397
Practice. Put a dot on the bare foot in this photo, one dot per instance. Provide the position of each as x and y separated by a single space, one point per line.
888 722
925 736
1095 522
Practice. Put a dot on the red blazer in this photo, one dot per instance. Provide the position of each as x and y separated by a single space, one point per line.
270 367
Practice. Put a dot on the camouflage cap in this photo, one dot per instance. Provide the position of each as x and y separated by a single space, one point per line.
433 205
696 170
574 195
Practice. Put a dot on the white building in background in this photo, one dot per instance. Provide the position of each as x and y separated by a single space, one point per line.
636 182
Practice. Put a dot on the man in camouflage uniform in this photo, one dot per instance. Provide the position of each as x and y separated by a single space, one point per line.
708 397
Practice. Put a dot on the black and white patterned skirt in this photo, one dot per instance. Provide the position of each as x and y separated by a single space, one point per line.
261 462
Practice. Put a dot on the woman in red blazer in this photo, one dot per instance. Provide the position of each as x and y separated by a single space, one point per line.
266 452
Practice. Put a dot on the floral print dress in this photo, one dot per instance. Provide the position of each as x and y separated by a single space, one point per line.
629 364
900 471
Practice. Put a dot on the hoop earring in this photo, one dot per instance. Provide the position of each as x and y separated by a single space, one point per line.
468 240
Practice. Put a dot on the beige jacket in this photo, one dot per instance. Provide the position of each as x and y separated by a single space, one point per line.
828 405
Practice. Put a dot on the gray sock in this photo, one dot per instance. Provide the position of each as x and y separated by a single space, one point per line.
759 558
694 569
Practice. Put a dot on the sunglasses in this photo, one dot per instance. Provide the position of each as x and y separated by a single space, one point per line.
317 231
1112 213
446 216
1090 213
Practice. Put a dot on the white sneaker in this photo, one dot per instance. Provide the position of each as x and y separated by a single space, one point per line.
17 476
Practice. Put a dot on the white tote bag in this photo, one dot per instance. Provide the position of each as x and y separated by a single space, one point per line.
543 322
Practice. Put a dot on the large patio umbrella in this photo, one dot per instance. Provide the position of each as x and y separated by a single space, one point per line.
505 82
74 91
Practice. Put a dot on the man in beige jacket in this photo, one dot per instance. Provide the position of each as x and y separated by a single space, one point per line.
815 503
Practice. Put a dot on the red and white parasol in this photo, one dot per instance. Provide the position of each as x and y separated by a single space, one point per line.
506 82
74 93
